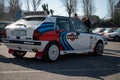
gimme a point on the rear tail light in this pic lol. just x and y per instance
(4, 33)
(36, 35)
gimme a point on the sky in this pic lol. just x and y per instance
(59, 9)
(57, 6)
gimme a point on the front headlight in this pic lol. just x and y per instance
(105, 40)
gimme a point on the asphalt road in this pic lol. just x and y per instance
(68, 67)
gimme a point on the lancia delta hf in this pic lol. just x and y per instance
(52, 36)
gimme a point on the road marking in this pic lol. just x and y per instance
(111, 51)
(62, 70)
(29, 71)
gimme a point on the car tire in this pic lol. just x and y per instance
(117, 38)
(51, 53)
(99, 48)
(19, 54)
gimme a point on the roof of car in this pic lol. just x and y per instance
(64, 17)
(41, 16)
(50, 16)
(60, 16)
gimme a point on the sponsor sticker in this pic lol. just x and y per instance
(72, 36)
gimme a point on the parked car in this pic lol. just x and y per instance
(109, 30)
(103, 31)
(50, 37)
(98, 30)
(2, 26)
(114, 35)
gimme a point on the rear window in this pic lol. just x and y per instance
(35, 18)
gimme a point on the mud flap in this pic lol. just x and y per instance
(39, 55)
(10, 51)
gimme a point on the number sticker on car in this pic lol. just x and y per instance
(19, 32)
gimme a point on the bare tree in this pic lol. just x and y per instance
(70, 6)
(75, 4)
(111, 7)
(14, 7)
(116, 14)
(1, 8)
(117, 9)
(51, 11)
(35, 4)
(45, 8)
(1, 4)
(88, 7)
(27, 4)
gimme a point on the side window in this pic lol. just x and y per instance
(63, 24)
(79, 26)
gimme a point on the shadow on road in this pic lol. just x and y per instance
(72, 65)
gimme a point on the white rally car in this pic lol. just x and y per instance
(50, 37)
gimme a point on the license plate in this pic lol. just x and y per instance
(19, 32)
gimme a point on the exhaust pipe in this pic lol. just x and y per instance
(35, 50)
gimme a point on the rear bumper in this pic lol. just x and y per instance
(25, 45)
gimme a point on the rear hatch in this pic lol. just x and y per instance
(23, 29)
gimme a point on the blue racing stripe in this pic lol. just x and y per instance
(64, 41)
(61, 40)
(46, 26)
(45, 29)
